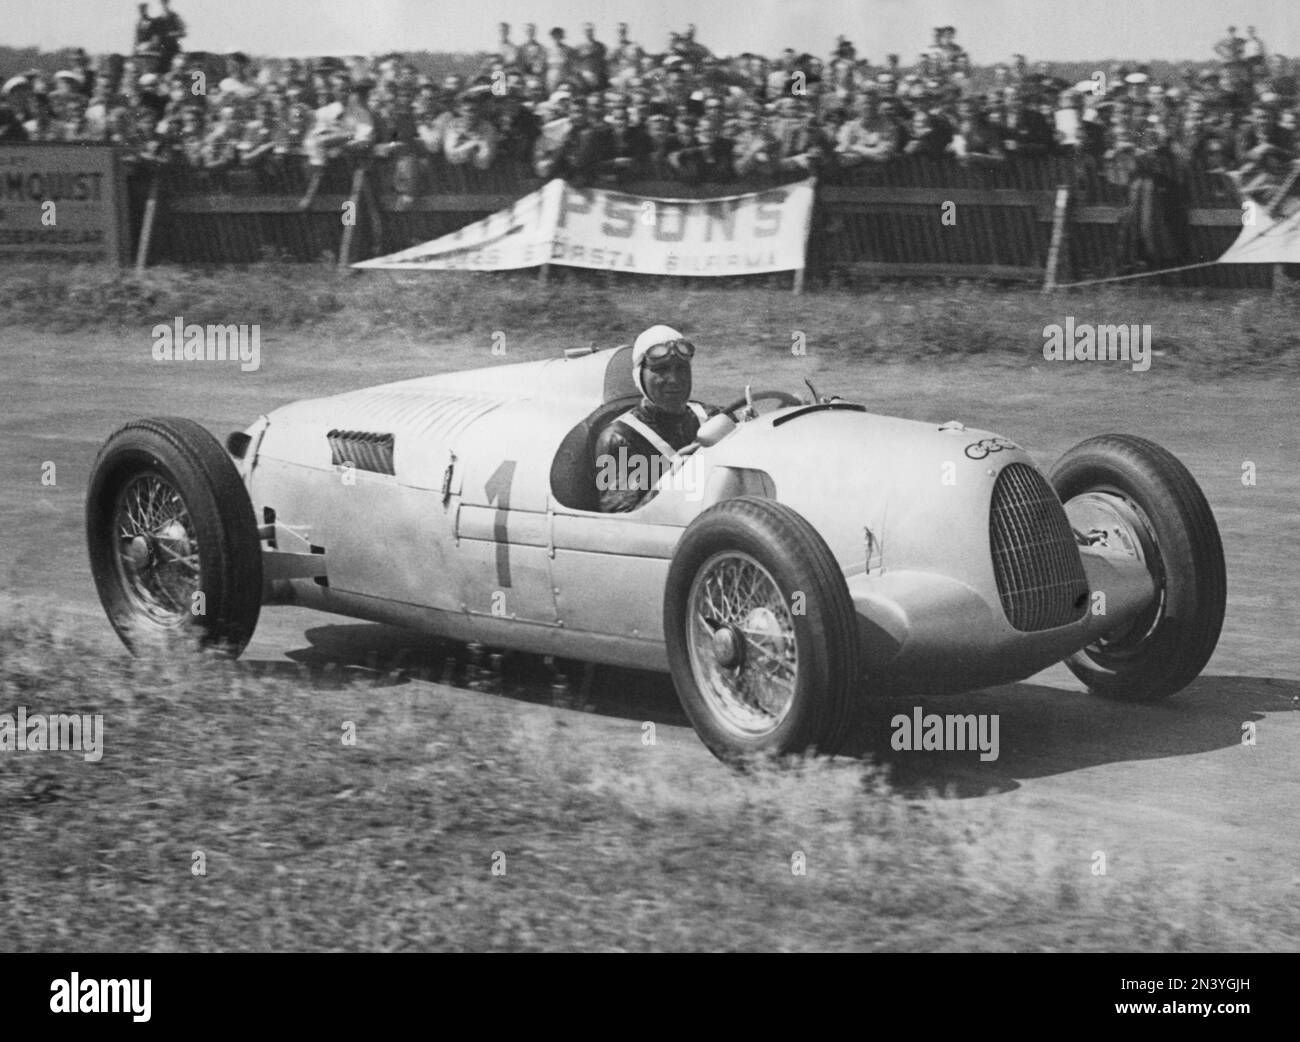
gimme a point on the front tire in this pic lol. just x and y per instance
(1141, 493)
(761, 633)
(172, 537)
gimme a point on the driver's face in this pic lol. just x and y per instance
(669, 384)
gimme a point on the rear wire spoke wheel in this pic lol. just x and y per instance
(761, 633)
(157, 549)
(173, 542)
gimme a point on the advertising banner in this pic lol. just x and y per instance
(63, 202)
(596, 228)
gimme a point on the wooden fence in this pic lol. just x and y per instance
(886, 221)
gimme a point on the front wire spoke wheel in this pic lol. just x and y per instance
(742, 644)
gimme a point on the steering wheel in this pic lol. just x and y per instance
(777, 396)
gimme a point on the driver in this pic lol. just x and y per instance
(645, 442)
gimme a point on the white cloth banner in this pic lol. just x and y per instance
(1268, 241)
(519, 236)
(595, 228)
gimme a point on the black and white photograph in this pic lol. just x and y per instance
(610, 477)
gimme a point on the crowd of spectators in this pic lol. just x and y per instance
(608, 114)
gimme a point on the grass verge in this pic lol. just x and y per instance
(1217, 331)
(309, 843)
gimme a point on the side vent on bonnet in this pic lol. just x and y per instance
(363, 449)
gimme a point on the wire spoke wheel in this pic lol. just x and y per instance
(171, 535)
(761, 633)
(157, 548)
(743, 649)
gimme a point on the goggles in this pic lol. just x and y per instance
(661, 353)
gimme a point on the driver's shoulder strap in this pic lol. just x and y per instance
(657, 441)
(701, 413)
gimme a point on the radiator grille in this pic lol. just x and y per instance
(364, 450)
(1040, 577)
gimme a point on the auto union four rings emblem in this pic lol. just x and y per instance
(982, 448)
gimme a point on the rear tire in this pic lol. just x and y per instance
(761, 633)
(1134, 480)
(172, 537)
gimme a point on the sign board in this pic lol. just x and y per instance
(62, 202)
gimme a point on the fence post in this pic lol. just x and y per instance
(374, 209)
(349, 230)
(146, 226)
(797, 287)
(1058, 237)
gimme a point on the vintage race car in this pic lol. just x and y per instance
(803, 559)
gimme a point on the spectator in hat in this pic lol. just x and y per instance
(591, 59)
(169, 29)
(146, 43)
(13, 107)
(67, 86)
(560, 60)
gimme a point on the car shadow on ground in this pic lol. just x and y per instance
(1044, 731)
(1041, 731)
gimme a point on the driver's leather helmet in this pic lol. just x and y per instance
(649, 338)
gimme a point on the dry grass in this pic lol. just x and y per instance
(311, 844)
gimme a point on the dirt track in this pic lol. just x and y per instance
(1169, 784)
